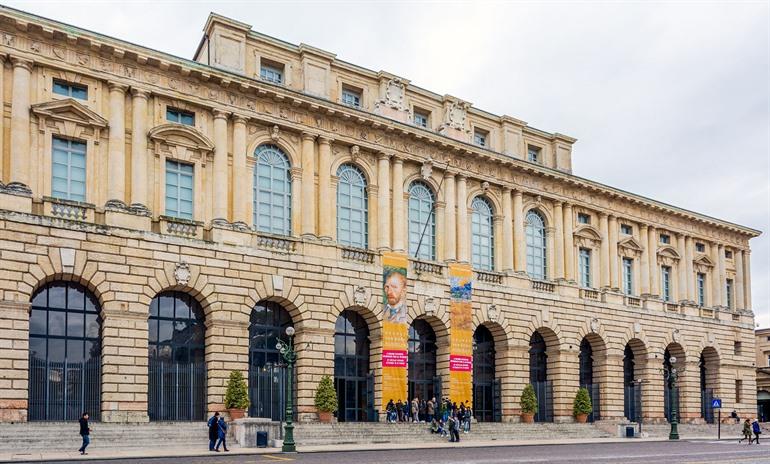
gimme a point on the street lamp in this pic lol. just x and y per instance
(287, 351)
(671, 377)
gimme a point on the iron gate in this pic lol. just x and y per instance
(62, 391)
(267, 391)
(177, 391)
(706, 410)
(497, 401)
(632, 402)
(544, 394)
(371, 412)
(593, 391)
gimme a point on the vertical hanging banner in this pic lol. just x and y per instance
(461, 341)
(395, 333)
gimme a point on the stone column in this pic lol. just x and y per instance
(308, 184)
(116, 164)
(440, 225)
(569, 244)
(681, 268)
(139, 172)
(739, 289)
(450, 239)
(325, 201)
(652, 236)
(747, 279)
(296, 201)
(227, 350)
(558, 216)
(690, 250)
(612, 393)
(716, 283)
(604, 251)
(614, 273)
(242, 194)
(497, 237)
(507, 245)
(519, 242)
(463, 241)
(315, 357)
(399, 224)
(20, 166)
(722, 275)
(221, 191)
(383, 201)
(644, 288)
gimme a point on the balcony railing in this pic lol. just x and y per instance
(673, 308)
(181, 227)
(273, 242)
(426, 267)
(489, 277)
(358, 254)
(589, 294)
(69, 210)
(707, 312)
(633, 301)
(542, 286)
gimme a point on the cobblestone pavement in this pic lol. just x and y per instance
(685, 451)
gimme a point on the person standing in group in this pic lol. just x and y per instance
(222, 433)
(415, 410)
(430, 409)
(746, 432)
(468, 416)
(85, 432)
(757, 430)
(423, 406)
(213, 430)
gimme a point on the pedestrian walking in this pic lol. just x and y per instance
(222, 432)
(757, 430)
(468, 416)
(85, 432)
(213, 430)
(454, 432)
(746, 432)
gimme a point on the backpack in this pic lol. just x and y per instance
(755, 427)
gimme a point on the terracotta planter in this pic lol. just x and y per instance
(236, 413)
(527, 418)
(325, 416)
(581, 418)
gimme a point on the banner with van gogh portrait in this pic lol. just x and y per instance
(461, 340)
(395, 332)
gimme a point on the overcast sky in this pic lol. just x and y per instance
(667, 100)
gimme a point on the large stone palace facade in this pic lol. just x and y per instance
(163, 220)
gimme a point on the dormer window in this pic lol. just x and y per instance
(420, 118)
(351, 97)
(480, 137)
(271, 72)
(68, 89)
(533, 154)
(180, 116)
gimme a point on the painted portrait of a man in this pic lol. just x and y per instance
(394, 290)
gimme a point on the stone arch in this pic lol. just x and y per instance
(711, 358)
(488, 195)
(278, 289)
(283, 141)
(181, 135)
(541, 208)
(364, 301)
(417, 177)
(359, 162)
(551, 338)
(421, 308)
(639, 338)
(501, 331)
(196, 286)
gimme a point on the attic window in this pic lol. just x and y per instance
(700, 248)
(665, 239)
(68, 89)
(351, 97)
(271, 71)
(626, 229)
(584, 218)
(480, 137)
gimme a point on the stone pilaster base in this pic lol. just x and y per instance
(13, 411)
(125, 417)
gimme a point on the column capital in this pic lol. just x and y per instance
(240, 119)
(603, 215)
(325, 140)
(22, 63)
(518, 193)
(567, 205)
(117, 87)
(140, 93)
(383, 156)
(448, 174)
(651, 228)
(440, 204)
(462, 177)
(397, 160)
(296, 173)
(372, 189)
(221, 114)
(507, 189)
(308, 136)
(557, 203)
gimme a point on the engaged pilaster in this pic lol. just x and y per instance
(450, 239)
(399, 226)
(569, 244)
(308, 184)
(520, 244)
(139, 172)
(462, 220)
(383, 201)
(241, 174)
(116, 165)
(558, 216)
(20, 165)
(325, 201)
(221, 190)
(507, 248)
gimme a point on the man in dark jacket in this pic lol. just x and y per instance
(213, 430)
(85, 432)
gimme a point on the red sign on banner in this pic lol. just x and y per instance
(459, 363)
(394, 358)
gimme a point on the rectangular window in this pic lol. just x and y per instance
(584, 218)
(737, 348)
(700, 248)
(585, 267)
(271, 72)
(480, 138)
(729, 293)
(351, 97)
(69, 89)
(738, 388)
(628, 276)
(665, 239)
(179, 189)
(728, 254)
(665, 272)
(701, 289)
(420, 119)
(768, 361)
(533, 154)
(68, 169)
(626, 229)
(180, 116)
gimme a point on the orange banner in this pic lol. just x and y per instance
(395, 332)
(461, 338)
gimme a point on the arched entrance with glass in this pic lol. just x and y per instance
(352, 379)
(709, 379)
(177, 364)
(590, 370)
(673, 357)
(486, 387)
(267, 371)
(423, 382)
(538, 377)
(633, 368)
(64, 353)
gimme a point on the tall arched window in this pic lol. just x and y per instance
(482, 235)
(536, 246)
(351, 368)
(352, 207)
(632, 398)
(538, 377)
(422, 218)
(64, 353)
(422, 360)
(267, 373)
(177, 367)
(272, 191)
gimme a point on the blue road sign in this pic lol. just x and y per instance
(716, 403)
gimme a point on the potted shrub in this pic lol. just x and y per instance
(582, 406)
(528, 404)
(236, 396)
(326, 399)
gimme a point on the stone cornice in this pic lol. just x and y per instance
(67, 47)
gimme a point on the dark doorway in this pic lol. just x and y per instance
(351, 368)
(483, 375)
(538, 377)
(267, 371)
(422, 360)
(586, 374)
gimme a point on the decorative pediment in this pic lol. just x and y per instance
(68, 110)
(630, 246)
(703, 260)
(181, 135)
(668, 256)
(587, 236)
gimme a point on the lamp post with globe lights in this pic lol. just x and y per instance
(670, 376)
(287, 351)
